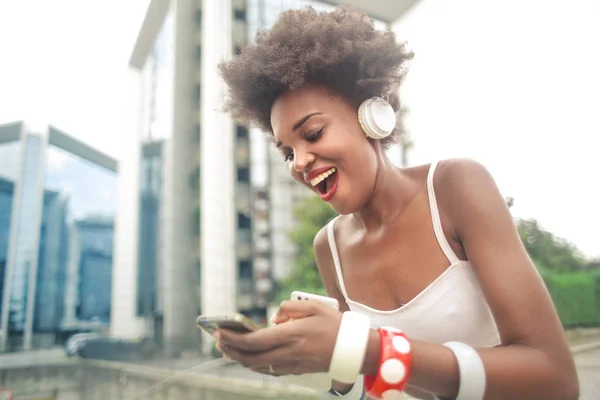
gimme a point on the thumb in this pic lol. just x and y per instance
(296, 309)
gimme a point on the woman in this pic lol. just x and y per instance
(431, 250)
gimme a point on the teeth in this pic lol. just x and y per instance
(320, 178)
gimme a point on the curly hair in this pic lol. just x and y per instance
(340, 50)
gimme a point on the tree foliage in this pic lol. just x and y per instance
(548, 251)
(311, 215)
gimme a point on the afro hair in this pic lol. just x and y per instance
(340, 50)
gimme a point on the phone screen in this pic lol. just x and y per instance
(235, 323)
(234, 326)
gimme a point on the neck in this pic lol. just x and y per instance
(393, 192)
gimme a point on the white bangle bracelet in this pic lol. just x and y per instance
(350, 347)
(471, 370)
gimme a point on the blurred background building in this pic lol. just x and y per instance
(57, 205)
(208, 230)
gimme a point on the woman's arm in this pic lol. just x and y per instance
(328, 275)
(534, 360)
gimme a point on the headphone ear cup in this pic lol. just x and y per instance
(376, 118)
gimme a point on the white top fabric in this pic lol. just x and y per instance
(451, 308)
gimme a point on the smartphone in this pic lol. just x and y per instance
(233, 322)
(330, 301)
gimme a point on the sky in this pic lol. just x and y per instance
(513, 84)
(64, 62)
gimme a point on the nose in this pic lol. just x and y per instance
(303, 161)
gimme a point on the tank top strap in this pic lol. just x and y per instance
(336, 257)
(435, 218)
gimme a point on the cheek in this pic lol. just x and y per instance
(361, 167)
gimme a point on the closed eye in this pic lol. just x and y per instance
(315, 136)
(289, 156)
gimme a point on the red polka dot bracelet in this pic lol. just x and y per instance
(394, 366)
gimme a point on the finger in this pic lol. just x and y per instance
(260, 362)
(295, 309)
(258, 341)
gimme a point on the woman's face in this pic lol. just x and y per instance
(319, 136)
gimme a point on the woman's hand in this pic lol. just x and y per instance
(302, 342)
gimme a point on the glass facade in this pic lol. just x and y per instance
(25, 251)
(76, 241)
(149, 228)
(52, 261)
(6, 201)
(61, 242)
(158, 74)
(10, 155)
(9, 164)
(158, 126)
(95, 268)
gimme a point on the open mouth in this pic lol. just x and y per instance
(326, 183)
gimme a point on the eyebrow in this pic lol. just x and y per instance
(298, 124)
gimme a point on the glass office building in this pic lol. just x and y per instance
(56, 275)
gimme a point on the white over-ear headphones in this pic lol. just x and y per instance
(377, 118)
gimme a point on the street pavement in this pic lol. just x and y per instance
(587, 362)
(588, 369)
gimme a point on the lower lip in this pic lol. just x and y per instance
(327, 196)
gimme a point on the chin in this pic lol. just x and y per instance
(343, 208)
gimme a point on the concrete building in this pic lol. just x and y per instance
(48, 181)
(213, 200)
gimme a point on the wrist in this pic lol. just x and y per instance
(350, 347)
(394, 364)
(371, 362)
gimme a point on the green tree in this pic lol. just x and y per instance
(548, 251)
(311, 215)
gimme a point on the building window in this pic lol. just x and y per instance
(196, 96)
(245, 269)
(196, 227)
(196, 134)
(241, 132)
(243, 175)
(239, 15)
(243, 221)
(198, 18)
(198, 55)
(194, 179)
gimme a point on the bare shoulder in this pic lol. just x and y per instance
(455, 173)
(451, 175)
(466, 192)
(463, 179)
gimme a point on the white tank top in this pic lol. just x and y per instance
(451, 308)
